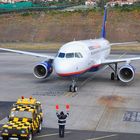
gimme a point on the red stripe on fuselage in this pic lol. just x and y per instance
(77, 72)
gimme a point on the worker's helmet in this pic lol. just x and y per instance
(61, 113)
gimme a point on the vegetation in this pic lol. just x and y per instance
(102, 3)
(32, 46)
(128, 8)
(64, 26)
(56, 46)
(62, 2)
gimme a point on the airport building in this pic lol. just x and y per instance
(111, 2)
(121, 2)
(91, 2)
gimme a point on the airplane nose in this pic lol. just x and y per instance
(63, 67)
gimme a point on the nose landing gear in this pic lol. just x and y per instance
(73, 87)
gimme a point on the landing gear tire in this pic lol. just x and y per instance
(73, 88)
(112, 76)
(70, 88)
(118, 78)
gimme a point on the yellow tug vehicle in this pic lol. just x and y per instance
(25, 119)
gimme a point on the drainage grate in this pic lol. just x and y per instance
(132, 116)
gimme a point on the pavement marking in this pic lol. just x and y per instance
(3, 121)
(69, 94)
(48, 135)
(66, 93)
(72, 94)
(103, 137)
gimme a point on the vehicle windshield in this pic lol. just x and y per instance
(21, 114)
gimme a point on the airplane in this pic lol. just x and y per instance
(78, 57)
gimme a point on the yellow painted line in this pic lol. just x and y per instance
(48, 135)
(103, 137)
(65, 94)
(73, 94)
(68, 94)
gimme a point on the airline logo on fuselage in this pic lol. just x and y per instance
(94, 47)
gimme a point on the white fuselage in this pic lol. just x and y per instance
(78, 57)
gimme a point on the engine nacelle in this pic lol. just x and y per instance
(126, 73)
(43, 70)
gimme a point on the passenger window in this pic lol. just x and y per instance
(61, 55)
(70, 55)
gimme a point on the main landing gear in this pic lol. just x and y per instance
(73, 87)
(114, 74)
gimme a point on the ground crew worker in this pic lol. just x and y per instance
(61, 122)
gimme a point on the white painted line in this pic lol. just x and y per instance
(3, 121)
(103, 137)
(48, 135)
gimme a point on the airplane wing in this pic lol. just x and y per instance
(119, 60)
(28, 53)
(123, 43)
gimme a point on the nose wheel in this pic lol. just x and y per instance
(73, 87)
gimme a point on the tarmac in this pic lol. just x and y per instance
(101, 109)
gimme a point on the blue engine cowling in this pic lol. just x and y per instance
(126, 73)
(43, 70)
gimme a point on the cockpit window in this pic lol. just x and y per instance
(69, 55)
(61, 55)
(78, 55)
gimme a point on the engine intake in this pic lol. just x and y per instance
(43, 70)
(126, 73)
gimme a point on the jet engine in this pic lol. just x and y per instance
(126, 73)
(43, 70)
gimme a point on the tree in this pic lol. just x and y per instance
(102, 3)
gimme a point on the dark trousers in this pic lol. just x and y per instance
(61, 130)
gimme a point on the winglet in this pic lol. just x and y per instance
(103, 32)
